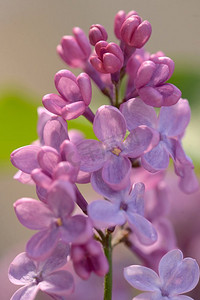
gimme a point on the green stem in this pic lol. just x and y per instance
(108, 277)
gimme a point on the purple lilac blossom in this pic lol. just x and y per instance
(176, 276)
(170, 125)
(53, 220)
(75, 95)
(120, 207)
(44, 275)
(112, 153)
(97, 33)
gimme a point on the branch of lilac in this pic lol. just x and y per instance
(125, 165)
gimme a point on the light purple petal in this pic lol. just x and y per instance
(178, 275)
(92, 155)
(181, 297)
(144, 230)
(104, 189)
(157, 159)
(59, 283)
(22, 270)
(65, 82)
(109, 124)
(105, 214)
(142, 278)
(116, 172)
(137, 113)
(56, 260)
(55, 132)
(139, 140)
(48, 158)
(23, 177)
(73, 110)
(149, 296)
(27, 292)
(61, 198)
(173, 120)
(25, 158)
(42, 243)
(54, 103)
(77, 229)
(33, 214)
(135, 200)
(85, 87)
(41, 178)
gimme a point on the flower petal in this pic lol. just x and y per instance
(109, 125)
(65, 82)
(174, 119)
(73, 110)
(33, 214)
(25, 158)
(149, 296)
(105, 214)
(116, 172)
(137, 113)
(22, 270)
(142, 278)
(26, 292)
(42, 243)
(156, 159)
(59, 283)
(92, 155)
(48, 158)
(54, 103)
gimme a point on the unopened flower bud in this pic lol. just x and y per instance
(97, 33)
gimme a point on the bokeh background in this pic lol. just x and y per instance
(30, 30)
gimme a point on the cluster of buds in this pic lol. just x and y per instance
(125, 164)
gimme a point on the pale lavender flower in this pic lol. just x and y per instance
(53, 220)
(89, 258)
(176, 276)
(170, 125)
(122, 206)
(75, 95)
(112, 153)
(108, 59)
(43, 275)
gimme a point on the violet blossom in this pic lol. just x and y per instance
(176, 276)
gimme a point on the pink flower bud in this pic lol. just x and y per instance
(134, 32)
(76, 50)
(97, 33)
(119, 20)
(109, 58)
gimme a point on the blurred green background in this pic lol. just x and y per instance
(31, 30)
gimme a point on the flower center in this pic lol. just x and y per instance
(116, 151)
(59, 222)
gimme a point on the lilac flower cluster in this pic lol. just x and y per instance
(126, 165)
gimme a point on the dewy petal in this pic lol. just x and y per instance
(109, 125)
(142, 278)
(116, 172)
(105, 214)
(137, 113)
(42, 243)
(22, 270)
(183, 277)
(142, 228)
(174, 119)
(25, 158)
(156, 159)
(92, 155)
(55, 132)
(59, 283)
(27, 292)
(33, 214)
(138, 141)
